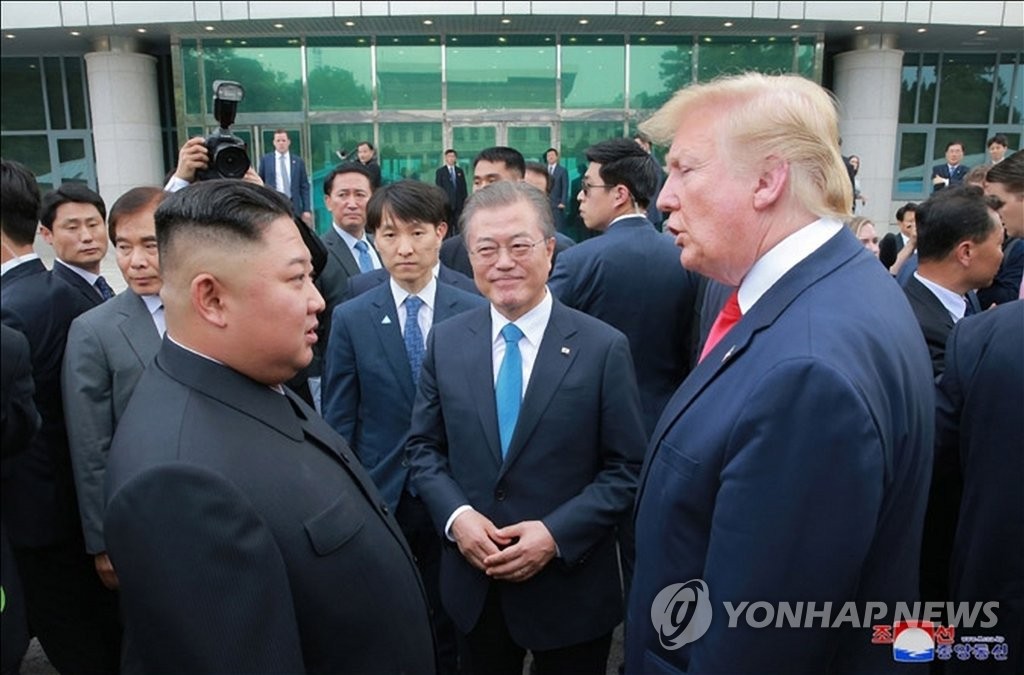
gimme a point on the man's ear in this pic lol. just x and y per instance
(442, 229)
(771, 182)
(207, 295)
(47, 234)
(964, 252)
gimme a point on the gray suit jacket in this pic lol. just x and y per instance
(108, 348)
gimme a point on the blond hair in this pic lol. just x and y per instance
(785, 116)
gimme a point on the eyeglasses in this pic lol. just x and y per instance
(585, 188)
(517, 250)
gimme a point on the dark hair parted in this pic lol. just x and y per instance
(1009, 172)
(624, 162)
(510, 157)
(949, 217)
(408, 201)
(540, 170)
(131, 202)
(19, 203)
(348, 167)
(221, 212)
(909, 207)
(69, 193)
(509, 193)
(998, 138)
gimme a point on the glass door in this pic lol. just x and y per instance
(468, 140)
(532, 141)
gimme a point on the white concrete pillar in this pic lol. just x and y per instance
(125, 110)
(867, 84)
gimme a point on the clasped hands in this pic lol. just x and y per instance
(513, 553)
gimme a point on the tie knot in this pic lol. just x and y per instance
(412, 306)
(106, 292)
(362, 247)
(511, 333)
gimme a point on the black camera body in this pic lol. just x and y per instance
(227, 154)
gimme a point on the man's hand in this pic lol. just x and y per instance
(191, 158)
(307, 218)
(477, 538)
(252, 177)
(939, 180)
(534, 549)
(105, 569)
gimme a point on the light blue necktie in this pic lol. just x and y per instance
(282, 170)
(508, 390)
(413, 336)
(365, 261)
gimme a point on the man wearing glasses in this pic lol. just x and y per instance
(525, 447)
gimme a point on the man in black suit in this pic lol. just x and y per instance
(452, 179)
(951, 173)
(525, 445)
(367, 158)
(292, 182)
(73, 615)
(979, 430)
(72, 219)
(559, 191)
(893, 243)
(224, 487)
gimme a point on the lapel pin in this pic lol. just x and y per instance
(387, 320)
(565, 351)
(728, 354)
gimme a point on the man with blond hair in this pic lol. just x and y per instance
(792, 464)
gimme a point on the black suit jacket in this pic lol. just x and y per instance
(456, 193)
(241, 498)
(934, 318)
(38, 494)
(956, 176)
(572, 463)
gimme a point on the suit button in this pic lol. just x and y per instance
(500, 494)
(384, 508)
(405, 463)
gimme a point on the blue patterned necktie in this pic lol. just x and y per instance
(365, 261)
(101, 285)
(413, 336)
(508, 390)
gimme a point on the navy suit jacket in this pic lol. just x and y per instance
(956, 176)
(361, 283)
(979, 428)
(299, 188)
(572, 463)
(90, 297)
(559, 193)
(367, 385)
(38, 489)
(630, 277)
(222, 489)
(456, 193)
(791, 465)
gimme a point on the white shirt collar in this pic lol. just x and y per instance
(533, 323)
(954, 303)
(784, 256)
(349, 240)
(14, 262)
(85, 274)
(426, 294)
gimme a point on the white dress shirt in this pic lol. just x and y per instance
(954, 303)
(156, 310)
(20, 260)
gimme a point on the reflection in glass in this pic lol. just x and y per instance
(73, 163)
(594, 72)
(805, 57)
(272, 76)
(729, 55)
(409, 75)
(468, 141)
(190, 77)
(339, 78)
(1008, 93)
(912, 171)
(501, 73)
(33, 152)
(533, 142)
(78, 104)
(966, 88)
(908, 88)
(927, 83)
(24, 111)
(55, 92)
(658, 67)
(410, 150)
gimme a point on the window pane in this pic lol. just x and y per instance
(190, 77)
(78, 102)
(326, 141)
(719, 55)
(271, 75)
(410, 150)
(928, 81)
(33, 152)
(339, 77)
(468, 141)
(501, 72)
(409, 73)
(55, 92)
(73, 165)
(973, 141)
(908, 88)
(24, 111)
(658, 67)
(533, 142)
(913, 168)
(805, 57)
(593, 72)
(966, 88)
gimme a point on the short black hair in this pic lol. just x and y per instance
(68, 193)
(909, 207)
(218, 210)
(451, 150)
(407, 200)
(624, 162)
(347, 167)
(998, 138)
(540, 170)
(366, 143)
(1009, 172)
(510, 157)
(131, 202)
(19, 202)
(554, 150)
(952, 143)
(949, 217)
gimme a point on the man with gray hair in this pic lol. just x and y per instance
(792, 464)
(525, 446)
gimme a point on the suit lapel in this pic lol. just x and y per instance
(384, 318)
(556, 354)
(479, 369)
(341, 252)
(138, 327)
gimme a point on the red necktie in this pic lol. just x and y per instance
(727, 318)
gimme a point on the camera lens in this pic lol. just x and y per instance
(231, 162)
